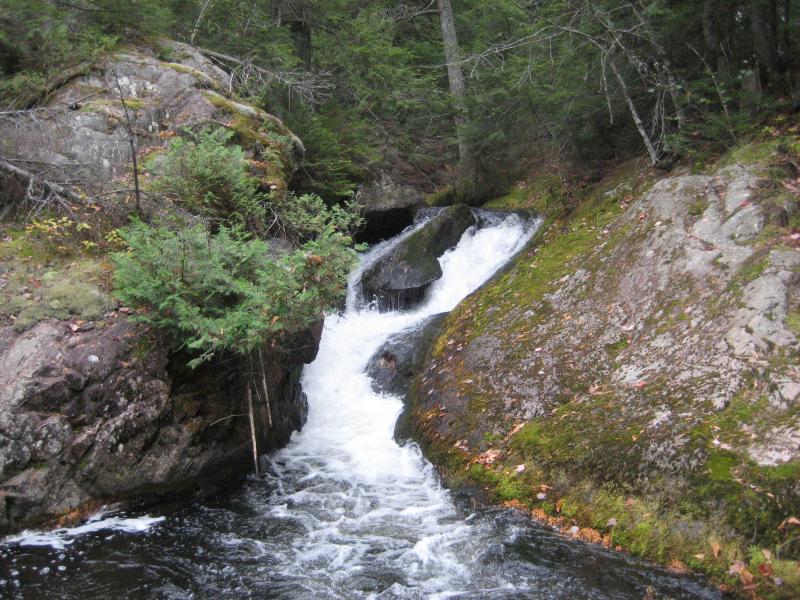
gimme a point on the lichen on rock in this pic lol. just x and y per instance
(640, 353)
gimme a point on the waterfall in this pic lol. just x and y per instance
(343, 512)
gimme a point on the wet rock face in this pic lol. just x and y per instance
(402, 356)
(108, 414)
(389, 207)
(399, 279)
(651, 343)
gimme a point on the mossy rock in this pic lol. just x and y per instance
(572, 386)
(399, 279)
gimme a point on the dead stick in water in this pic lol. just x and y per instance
(264, 385)
(252, 427)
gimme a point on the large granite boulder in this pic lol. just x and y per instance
(399, 279)
(638, 365)
(80, 131)
(102, 412)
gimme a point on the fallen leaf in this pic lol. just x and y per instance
(715, 548)
(766, 570)
(746, 576)
(789, 521)
(677, 566)
(736, 568)
(488, 457)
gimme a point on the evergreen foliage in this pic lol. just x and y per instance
(364, 83)
(210, 177)
(228, 291)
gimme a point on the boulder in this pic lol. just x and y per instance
(98, 409)
(388, 205)
(644, 353)
(107, 414)
(402, 356)
(82, 137)
(398, 279)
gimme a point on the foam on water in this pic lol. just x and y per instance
(393, 499)
(62, 537)
(344, 512)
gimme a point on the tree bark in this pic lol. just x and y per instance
(714, 41)
(297, 15)
(763, 21)
(467, 172)
(637, 120)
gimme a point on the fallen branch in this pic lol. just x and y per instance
(264, 387)
(34, 178)
(252, 427)
(311, 88)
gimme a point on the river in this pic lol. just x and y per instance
(343, 511)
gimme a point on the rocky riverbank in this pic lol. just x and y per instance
(634, 373)
(94, 408)
(101, 412)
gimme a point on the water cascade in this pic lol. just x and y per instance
(344, 511)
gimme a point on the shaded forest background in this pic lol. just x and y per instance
(571, 84)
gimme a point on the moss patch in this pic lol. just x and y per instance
(681, 490)
(40, 284)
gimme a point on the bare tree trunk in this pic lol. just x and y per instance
(467, 175)
(132, 143)
(651, 149)
(203, 10)
(301, 32)
(713, 40)
(667, 72)
(763, 17)
(297, 15)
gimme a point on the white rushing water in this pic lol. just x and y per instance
(361, 497)
(344, 512)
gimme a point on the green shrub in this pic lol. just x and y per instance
(228, 291)
(307, 216)
(211, 178)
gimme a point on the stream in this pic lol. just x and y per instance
(343, 511)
